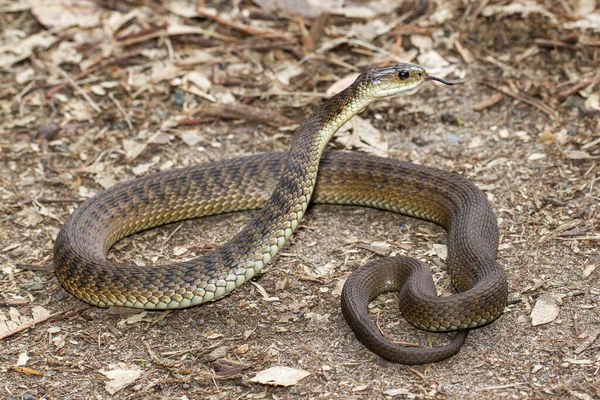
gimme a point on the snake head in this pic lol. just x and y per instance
(388, 81)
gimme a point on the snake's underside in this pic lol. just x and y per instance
(281, 185)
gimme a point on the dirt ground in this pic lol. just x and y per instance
(97, 93)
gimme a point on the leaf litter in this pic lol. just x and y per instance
(93, 94)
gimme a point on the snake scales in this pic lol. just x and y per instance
(281, 185)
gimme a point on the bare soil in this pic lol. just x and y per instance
(93, 107)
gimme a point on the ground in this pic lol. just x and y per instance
(93, 94)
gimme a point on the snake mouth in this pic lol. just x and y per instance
(445, 82)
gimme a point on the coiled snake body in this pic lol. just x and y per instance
(281, 186)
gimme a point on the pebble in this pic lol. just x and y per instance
(35, 287)
(25, 396)
(60, 295)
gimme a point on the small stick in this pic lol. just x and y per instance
(574, 89)
(78, 88)
(14, 302)
(32, 324)
(93, 68)
(553, 43)
(525, 99)
(554, 202)
(396, 50)
(196, 121)
(489, 102)
(121, 110)
(239, 26)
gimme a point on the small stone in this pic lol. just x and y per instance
(35, 287)
(47, 132)
(60, 295)
(179, 98)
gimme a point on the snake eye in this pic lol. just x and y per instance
(403, 75)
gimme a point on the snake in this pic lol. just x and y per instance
(279, 186)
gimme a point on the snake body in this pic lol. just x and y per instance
(280, 186)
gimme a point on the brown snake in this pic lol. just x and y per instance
(281, 186)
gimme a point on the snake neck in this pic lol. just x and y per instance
(280, 215)
(318, 129)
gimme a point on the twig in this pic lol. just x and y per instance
(32, 324)
(158, 360)
(554, 202)
(554, 43)
(525, 99)
(14, 302)
(239, 26)
(580, 238)
(396, 50)
(178, 31)
(49, 267)
(121, 110)
(245, 112)
(78, 88)
(488, 102)
(196, 121)
(93, 68)
(496, 387)
(478, 11)
(172, 234)
(575, 88)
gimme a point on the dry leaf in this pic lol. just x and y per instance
(364, 137)
(536, 156)
(441, 250)
(191, 138)
(66, 13)
(120, 378)
(216, 354)
(341, 84)
(546, 310)
(286, 71)
(13, 53)
(584, 7)
(523, 7)
(593, 101)
(381, 248)
(182, 8)
(23, 358)
(589, 269)
(577, 155)
(280, 376)
(196, 83)
(305, 8)
(396, 392)
(29, 217)
(133, 148)
(589, 21)
(134, 319)
(141, 169)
